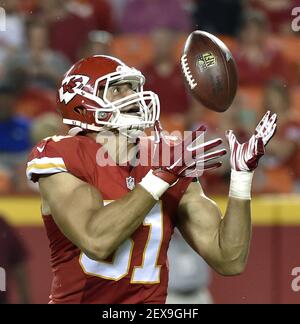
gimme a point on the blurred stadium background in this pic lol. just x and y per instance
(42, 40)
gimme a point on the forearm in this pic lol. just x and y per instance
(115, 222)
(235, 227)
(223, 242)
(235, 235)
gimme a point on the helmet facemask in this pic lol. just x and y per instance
(112, 114)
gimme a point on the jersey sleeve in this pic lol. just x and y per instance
(54, 155)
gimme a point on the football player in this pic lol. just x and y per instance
(109, 225)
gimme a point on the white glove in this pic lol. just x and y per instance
(245, 157)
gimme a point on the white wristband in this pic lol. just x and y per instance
(240, 184)
(154, 185)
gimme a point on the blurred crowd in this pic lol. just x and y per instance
(44, 37)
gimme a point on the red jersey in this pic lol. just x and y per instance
(138, 270)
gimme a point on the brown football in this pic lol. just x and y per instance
(209, 70)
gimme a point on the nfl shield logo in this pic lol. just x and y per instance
(206, 60)
(130, 183)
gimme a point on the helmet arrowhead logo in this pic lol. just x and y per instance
(71, 86)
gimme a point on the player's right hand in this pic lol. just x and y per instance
(189, 157)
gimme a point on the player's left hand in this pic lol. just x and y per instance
(245, 157)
